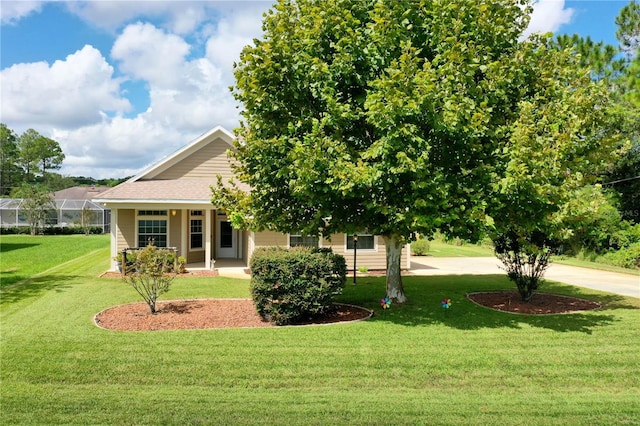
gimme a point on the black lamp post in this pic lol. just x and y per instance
(355, 253)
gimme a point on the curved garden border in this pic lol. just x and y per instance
(570, 304)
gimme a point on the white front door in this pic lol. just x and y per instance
(226, 240)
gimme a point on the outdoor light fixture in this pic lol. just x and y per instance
(173, 212)
(355, 252)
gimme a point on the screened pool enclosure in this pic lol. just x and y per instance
(67, 213)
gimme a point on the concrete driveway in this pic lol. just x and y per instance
(626, 285)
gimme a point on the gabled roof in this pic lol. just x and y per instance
(192, 191)
(202, 140)
(142, 188)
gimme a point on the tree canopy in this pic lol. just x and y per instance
(38, 154)
(398, 117)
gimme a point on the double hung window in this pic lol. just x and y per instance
(365, 242)
(152, 228)
(297, 240)
(195, 230)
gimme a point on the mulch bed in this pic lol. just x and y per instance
(207, 314)
(540, 304)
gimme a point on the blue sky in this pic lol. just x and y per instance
(120, 84)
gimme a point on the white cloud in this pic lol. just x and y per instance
(12, 11)
(231, 35)
(69, 93)
(184, 62)
(548, 16)
(111, 15)
(115, 147)
(189, 94)
(180, 17)
(148, 53)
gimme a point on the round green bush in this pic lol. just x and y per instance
(289, 285)
(420, 247)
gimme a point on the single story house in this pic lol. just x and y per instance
(169, 203)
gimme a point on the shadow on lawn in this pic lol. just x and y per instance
(33, 287)
(425, 295)
(5, 247)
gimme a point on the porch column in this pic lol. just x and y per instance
(184, 233)
(114, 237)
(208, 252)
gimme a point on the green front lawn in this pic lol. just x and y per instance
(22, 256)
(411, 364)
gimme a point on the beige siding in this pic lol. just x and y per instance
(375, 259)
(195, 256)
(207, 162)
(371, 259)
(245, 245)
(270, 239)
(126, 229)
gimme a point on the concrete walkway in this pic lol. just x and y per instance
(624, 284)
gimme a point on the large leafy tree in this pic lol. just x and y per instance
(388, 116)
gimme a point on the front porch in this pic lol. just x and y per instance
(236, 268)
(196, 233)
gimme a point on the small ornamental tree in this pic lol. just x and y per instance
(525, 259)
(152, 273)
(87, 218)
(562, 139)
(38, 205)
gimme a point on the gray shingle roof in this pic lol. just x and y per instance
(161, 190)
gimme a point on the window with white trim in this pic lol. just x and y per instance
(365, 242)
(151, 228)
(298, 240)
(196, 240)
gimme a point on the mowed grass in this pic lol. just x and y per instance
(23, 256)
(410, 364)
(439, 248)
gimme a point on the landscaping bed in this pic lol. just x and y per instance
(236, 313)
(206, 313)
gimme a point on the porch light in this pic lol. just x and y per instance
(355, 253)
(173, 212)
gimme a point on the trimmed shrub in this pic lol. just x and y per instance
(288, 286)
(420, 247)
(52, 230)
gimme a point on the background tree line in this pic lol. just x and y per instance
(619, 68)
(29, 161)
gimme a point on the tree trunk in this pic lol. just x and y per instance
(395, 291)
